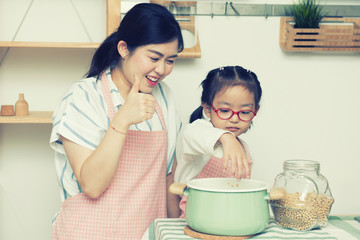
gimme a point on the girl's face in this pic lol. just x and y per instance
(150, 63)
(237, 98)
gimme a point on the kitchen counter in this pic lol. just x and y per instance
(342, 228)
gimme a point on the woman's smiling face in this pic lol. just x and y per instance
(237, 98)
(150, 63)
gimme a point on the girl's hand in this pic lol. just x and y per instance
(137, 108)
(234, 152)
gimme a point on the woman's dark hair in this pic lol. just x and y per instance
(221, 78)
(145, 23)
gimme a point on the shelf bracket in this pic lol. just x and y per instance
(17, 31)
(81, 21)
(3, 55)
(22, 20)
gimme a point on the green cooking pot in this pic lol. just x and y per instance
(225, 206)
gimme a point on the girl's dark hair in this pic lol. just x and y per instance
(221, 78)
(145, 23)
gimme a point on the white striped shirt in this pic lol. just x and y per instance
(198, 142)
(82, 117)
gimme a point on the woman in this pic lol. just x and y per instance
(114, 133)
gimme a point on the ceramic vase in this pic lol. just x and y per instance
(21, 106)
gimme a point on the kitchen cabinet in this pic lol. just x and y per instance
(113, 15)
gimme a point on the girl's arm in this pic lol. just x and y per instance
(201, 138)
(173, 210)
(234, 151)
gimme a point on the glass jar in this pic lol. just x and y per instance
(308, 198)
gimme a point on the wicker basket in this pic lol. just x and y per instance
(334, 34)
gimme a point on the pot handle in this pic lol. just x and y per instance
(177, 188)
(277, 193)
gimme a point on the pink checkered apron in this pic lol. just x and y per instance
(213, 169)
(136, 196)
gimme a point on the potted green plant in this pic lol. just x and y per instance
(307, 29)
(307, 14)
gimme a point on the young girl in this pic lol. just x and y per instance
(210, 145)
(114, 132)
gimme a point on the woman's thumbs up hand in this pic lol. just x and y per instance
(138, 106)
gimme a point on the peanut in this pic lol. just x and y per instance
(302, 213)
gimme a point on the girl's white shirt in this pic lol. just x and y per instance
(198, 142)
(82, 117)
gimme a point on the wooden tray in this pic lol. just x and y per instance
(334, 34)
(192, 233)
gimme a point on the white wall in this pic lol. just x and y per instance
(309, 110)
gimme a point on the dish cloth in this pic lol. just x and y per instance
(342, 228)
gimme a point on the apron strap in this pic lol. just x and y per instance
(107, 96)
(160, 114)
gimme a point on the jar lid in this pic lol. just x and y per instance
(298, 164)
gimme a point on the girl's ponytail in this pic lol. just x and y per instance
(223, 77)
(106, 55)
(197, 114)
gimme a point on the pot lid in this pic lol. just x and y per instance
(227, 185)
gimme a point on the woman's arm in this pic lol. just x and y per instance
(173, 210)
(95, 169)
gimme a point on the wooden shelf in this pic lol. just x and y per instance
(113, 17)
(11, 44)
(193, 52)
(34, 117)
(334, 34)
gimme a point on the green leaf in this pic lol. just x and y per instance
(307, 14)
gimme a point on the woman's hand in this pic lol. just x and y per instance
(234, 152)
(137, 108)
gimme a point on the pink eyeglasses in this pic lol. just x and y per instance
(227, 113)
